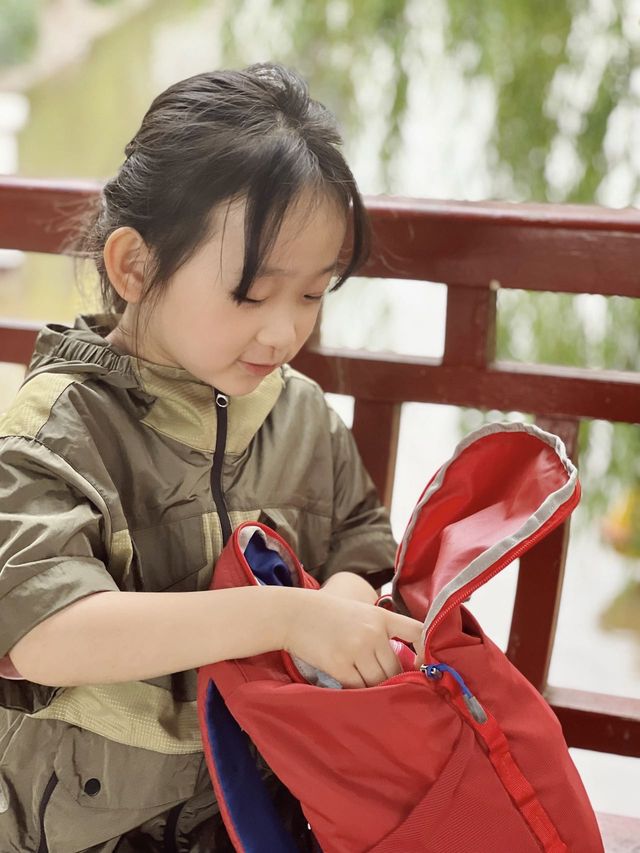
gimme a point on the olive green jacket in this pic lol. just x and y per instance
(106, 484)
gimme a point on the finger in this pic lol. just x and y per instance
(352, 680)
(388, 660)
(404, 627)
(370, 671)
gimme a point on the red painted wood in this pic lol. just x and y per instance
(42, 216)
(597, 721)
(535, 607)
(470, 336)
(17, 340)
(535, 247)
(555, 391)
(375, 429)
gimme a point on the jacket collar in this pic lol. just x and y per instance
(182, 406)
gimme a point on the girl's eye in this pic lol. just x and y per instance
(309, 298)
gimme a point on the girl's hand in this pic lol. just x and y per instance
(348, 640)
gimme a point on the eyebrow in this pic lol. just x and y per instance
(280, 271)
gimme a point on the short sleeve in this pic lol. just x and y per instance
(51, 545)
(361, 538)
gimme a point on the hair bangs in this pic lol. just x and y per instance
(276, 188)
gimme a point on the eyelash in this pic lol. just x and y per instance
(247, 301)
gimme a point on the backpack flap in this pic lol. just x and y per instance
(504, 489)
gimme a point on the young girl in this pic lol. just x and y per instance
(141, 437)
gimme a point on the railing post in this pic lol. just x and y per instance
(375, 428)
(470, 337)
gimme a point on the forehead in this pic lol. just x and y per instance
(314, 224)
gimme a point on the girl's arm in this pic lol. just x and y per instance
(352, 586)
(130, 636)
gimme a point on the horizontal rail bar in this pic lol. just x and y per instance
(532, 247)
(597, 721)
(540, 389)
(16, 340)
(573, 249)
(42, 216)
(393, 378)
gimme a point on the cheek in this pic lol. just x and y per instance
(220, 332)
(309, 322)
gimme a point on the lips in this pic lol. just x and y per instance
(258, 369)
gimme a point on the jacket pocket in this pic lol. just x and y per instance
(169, 556)
(102, 774)
(69, 789)
(104, 789)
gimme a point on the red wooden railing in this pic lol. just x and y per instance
(474, 248)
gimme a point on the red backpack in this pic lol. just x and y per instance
(460, 756)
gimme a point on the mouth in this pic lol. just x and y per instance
(258, 369)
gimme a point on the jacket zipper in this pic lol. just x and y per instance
(222, 403)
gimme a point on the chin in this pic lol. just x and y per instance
(235, 388)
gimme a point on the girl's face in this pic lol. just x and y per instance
(196, 324)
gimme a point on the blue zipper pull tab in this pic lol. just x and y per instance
(434, 672)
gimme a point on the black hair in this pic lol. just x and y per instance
(216, 137)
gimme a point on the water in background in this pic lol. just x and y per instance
(517, 99)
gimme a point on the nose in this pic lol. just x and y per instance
(278, 332)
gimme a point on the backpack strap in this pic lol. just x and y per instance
(516, 784)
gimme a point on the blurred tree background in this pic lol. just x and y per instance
(18, 30)
(558, 83)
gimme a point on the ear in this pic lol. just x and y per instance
(125, 258)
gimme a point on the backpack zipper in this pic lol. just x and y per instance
(222, 403)
(434, 671)
(560, 516)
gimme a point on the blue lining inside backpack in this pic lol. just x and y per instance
(252, 812)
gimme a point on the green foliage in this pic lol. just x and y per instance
(522, 48)
(332, 43)
(18, 30)
(521, 44)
